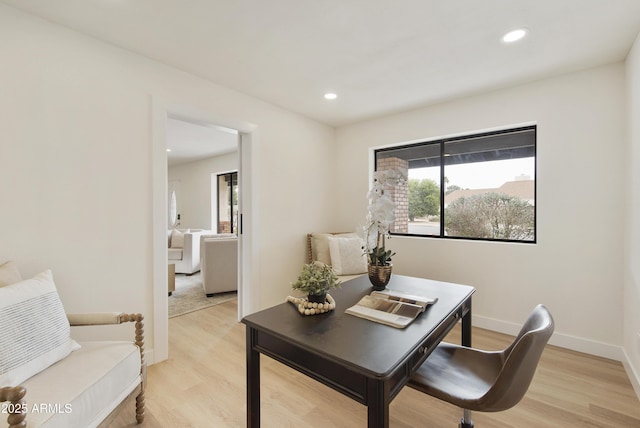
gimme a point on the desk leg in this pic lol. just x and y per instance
(466, 328)
(377, 404)
(253, 383)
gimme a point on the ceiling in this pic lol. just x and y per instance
(190, 142)
(378, 56)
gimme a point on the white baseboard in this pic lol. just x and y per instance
(567, 341)
(574, 343)
(633, 374)
(149, 357)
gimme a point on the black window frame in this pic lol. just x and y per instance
(442, 163)
(232, 179)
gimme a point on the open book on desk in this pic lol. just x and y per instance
(391, 307)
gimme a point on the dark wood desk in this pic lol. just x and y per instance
(366, 361)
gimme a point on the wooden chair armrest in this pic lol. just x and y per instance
(96, 318)
(17, 408)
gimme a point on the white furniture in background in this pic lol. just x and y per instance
(219, 263)
(184, 249)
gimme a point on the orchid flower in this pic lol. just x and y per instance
(380, 215)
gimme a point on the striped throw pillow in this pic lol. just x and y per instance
(35, 332)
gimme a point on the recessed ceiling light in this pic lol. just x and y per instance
(330, 96)
(168, 150)
(515, 35)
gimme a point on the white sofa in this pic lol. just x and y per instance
(219, 263)
(184, 249)
(49, 380)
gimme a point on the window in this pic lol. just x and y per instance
(228, 203)
(478, 186)
(173, 209)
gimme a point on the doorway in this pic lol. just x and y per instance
(201, 208)
(245, 135)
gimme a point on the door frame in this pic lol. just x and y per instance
(247, 295)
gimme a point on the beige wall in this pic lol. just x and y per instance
(576, 266)
(76, 167)
(632, 227)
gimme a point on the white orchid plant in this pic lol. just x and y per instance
(380, 216)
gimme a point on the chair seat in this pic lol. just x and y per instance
(458, 375)
(486, 381)
(87, 385)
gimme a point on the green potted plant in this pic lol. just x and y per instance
(315, 280)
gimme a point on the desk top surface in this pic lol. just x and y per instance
(363, 345)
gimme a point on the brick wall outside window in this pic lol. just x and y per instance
(399, 193)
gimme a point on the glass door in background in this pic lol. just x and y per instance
(228, 202)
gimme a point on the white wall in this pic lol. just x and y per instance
(632, 228)
(576, 266)
(194, 204)
(76, 177)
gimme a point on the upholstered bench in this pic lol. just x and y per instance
(49, 380)
(341, 251)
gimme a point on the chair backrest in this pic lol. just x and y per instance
(520, 362)
(219, 265)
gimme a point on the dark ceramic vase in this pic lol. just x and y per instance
(379, 276)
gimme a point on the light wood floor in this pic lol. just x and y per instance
(202, 384)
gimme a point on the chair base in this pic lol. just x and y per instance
(465, 424)
(466, 421)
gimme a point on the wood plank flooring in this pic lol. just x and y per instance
(202, 385)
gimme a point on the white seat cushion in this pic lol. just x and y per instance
(175, 253)
(83, 388)
(345, 278)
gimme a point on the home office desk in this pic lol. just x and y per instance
(364, 360)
